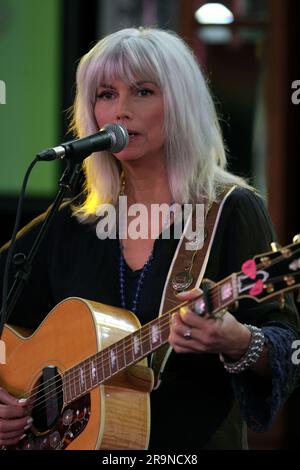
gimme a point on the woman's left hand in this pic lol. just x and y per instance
(191, 333)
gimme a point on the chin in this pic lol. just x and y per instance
(126, 157)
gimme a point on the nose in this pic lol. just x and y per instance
(124, 110)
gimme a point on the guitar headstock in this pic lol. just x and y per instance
(271, 274)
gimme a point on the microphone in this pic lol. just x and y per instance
(113, 137)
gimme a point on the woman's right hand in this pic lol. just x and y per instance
(14, 419)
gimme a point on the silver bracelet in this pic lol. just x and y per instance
(252, 354)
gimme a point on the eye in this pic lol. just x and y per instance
(144, 92)
(105, 95)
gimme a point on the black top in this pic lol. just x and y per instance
(195, 396)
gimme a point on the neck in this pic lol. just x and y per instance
(147, 186)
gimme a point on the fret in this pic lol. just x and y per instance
(72, 382)
(100, 367)
(226, 291)
(156, 337)
(105, 364)
(113, 360)
(88, 379)
(164, 326)
(128, 350)
(76, 380)
(94, 371)
(145, 340)
(120, 350)
(136, 345)
(82, 382)
(67, 388)
(215, 302)
(66, 393)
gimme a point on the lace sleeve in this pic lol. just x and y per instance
(260, 398)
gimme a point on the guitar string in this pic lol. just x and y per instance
(58, 391)
(76, 374)
(103, 360)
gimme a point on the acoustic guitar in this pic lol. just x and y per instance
(84, 369)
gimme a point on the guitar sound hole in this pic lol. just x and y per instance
(47, 401)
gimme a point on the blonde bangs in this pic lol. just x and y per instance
(129, 62)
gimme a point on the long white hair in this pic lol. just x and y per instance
(195, 154)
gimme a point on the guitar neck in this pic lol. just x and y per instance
(96, 369)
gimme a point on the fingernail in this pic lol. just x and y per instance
(22, 400)
(29, 422)
(22, 437)
(179, 294)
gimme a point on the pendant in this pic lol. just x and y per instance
(182, 281)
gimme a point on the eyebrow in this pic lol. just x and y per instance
(111, 87)
(106, 85)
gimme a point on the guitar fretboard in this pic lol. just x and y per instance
(98, 368)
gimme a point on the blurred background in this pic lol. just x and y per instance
(249, 51)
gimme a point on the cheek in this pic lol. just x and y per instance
(156, 122)
(160, 121)
(102, 116)
(97, 115)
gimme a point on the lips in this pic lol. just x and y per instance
(132, 133)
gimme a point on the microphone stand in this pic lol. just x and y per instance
(66, 183)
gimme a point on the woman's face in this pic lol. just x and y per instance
(140, 108)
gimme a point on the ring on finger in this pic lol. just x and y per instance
(188, 334)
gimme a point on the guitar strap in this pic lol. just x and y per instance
(186, 271)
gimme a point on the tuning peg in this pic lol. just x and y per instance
(296, 238)
(265, 260)
(290, 280)
(275, 247)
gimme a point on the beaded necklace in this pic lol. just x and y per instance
(140, 280)
(144, 271)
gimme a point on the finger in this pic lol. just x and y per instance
(180, 334)
(12, 425)
(177, 324)
(12, 435)
(175, 319)
(181, 344)
(12, 441)
(179, 329)
(183, 350)
(189, 294)
(8, 399)
(12, 412)
(190, 318)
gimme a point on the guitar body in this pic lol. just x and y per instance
(113, 415)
